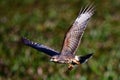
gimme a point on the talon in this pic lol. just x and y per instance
(70, 67)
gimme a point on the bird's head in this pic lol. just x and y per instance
(54, 58)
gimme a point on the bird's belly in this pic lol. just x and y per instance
(65, 61)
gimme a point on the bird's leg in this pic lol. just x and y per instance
(76, 62)
(70, 67)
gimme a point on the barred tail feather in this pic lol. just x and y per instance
(83, 59)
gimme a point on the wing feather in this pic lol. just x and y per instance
(40, 47)
(74, 35)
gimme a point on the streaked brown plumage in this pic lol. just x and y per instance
(73, 37)
(71, 41)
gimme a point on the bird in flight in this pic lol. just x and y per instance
(71, 42)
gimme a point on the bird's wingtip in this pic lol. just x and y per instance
(25, 40)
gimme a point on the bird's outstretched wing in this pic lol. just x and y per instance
(73, 37)
(40, 47)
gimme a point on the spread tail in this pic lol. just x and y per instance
(83, 59)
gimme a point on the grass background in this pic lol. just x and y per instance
(46, 22)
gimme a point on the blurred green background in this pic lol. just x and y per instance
(46, 22)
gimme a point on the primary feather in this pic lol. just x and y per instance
(74, 35)
(40, 47)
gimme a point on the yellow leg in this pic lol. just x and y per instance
(75, 61)
(70, 67)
